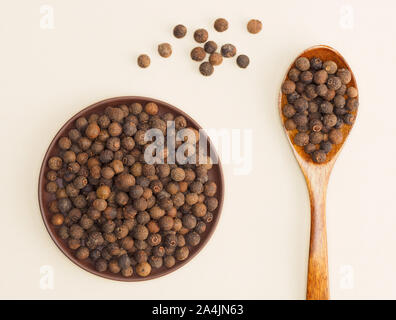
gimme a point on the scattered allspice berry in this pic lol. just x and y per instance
(201, 35)
(210, 47)
(165, 50)
(206, 68)
(254, 26)
(228, 50)
(198, 54)
(221, 25)
(215, 59)
(179, 31)
(243, 61)
(143, 61)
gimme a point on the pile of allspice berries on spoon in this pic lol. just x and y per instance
(320, 102)
(207, 48)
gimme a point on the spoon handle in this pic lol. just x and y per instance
(318, 276)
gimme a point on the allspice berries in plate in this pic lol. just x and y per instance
(116, 212)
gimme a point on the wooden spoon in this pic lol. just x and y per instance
(317, 178)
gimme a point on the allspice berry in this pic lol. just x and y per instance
(99, 204)
(182, 253)
(199, 210)
(330, 67)
(57, 219)
(309, 148)
(92, 131)
(320, 77)
(169, 261)
(288, 110)
(301, 139)
(210, 188)
(178, 174)
(290, 124)
(166, 223)
(345, 75)
(334, 83)
(335, 136)
(136, 108)
(64, 143)
(351, 92)
(55, 163)
(294, 74)
(288, 87)
(127, 272)
(215, 59)
(302, 64)
(349, 118)
(165, 50)
(315, 137)
(254, 26)
(330, 120)
(221, 24)
(193, 238)
(326, 146)
(352, 104)
(140, 232)
(189, 221)
(243, 61)
(121, 232)
(101, 265)
(198, 54)
(51, 187)
(114, 266)
(143, 61)
(228, 50)
(82, 253)
(316, 63)
(319, 156)
(206, 69)
(179, 31)
(103, 192)
(143, 269)
(151, 108)
(201, 35)
(210, 47)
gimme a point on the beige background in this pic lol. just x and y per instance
(260, 248)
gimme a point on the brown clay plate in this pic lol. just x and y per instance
(215, 174)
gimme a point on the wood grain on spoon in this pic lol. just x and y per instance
(317, 178)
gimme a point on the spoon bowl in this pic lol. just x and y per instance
(317, 178)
